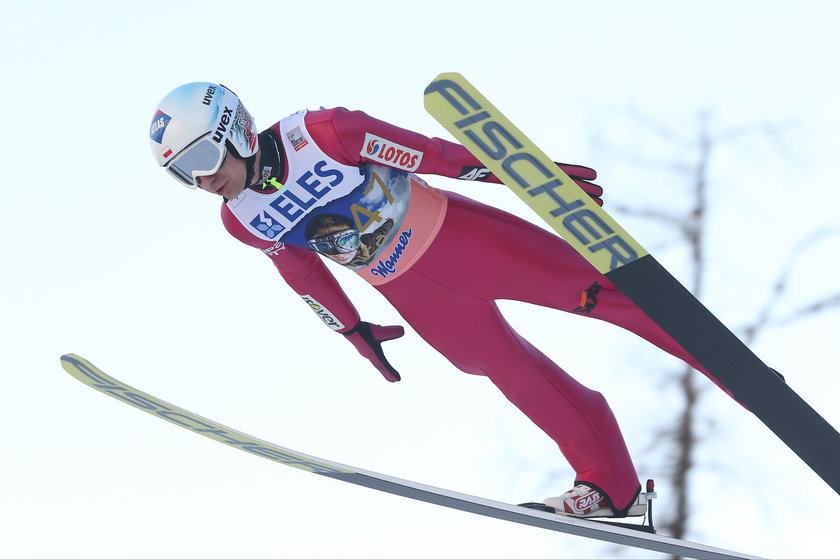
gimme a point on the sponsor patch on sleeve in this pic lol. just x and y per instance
(390, 153)
(474, 173)
(328, 318)
(275, 249)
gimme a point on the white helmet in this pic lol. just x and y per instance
(195, 125)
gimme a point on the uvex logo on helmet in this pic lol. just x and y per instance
(390, 153)
(208, 97)
(224, 123)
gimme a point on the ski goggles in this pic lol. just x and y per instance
(345, 241)
(202, 157)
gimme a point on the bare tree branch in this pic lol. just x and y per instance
(781, 287)
(683, 433)
(650, 213)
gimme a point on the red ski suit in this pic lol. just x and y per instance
(466, 255)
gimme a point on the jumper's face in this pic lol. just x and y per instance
(229, 180)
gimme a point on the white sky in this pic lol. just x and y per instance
(108, 258)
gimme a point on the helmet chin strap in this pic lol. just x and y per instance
(250, 164)
(270, 161)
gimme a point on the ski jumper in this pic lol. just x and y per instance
(442, 260)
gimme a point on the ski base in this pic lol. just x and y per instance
(94, 377)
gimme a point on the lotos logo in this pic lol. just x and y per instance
(389, 153)
(373, 147)
(159, 122)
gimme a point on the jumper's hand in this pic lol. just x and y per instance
(368, 339)
(581, 176)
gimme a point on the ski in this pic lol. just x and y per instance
(94, 377)
(544, 187)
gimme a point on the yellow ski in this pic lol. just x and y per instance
(533, 176)
(97, 379)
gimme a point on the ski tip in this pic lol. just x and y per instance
(70, 362)
(67, 359)
(442, 81)
(448, 75)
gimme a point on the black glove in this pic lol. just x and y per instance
(368, 338)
